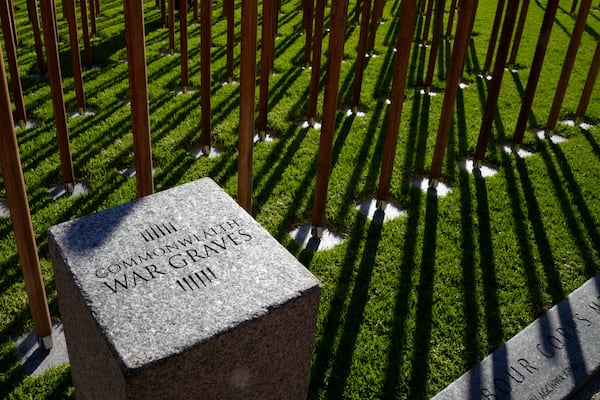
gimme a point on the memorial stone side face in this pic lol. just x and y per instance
(556, 357)
(183, 295)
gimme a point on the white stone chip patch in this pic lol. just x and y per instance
(302, 235)
(442, 190)
(368, 208)
(469, 166)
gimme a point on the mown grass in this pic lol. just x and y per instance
(407, 306)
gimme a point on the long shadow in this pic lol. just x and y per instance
(401, 311)
(592, 141)
(355, 312)
(422, 333)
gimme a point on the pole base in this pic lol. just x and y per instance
(381, 205)
(47, 342)
(317, 232)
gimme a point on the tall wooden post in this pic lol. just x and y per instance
(459, 51)
(563, 82)
(315, 73)
(360, 55)
(58, 103)
(183, 44)
(266, 53)
(435, 42)
(451, 19)
(512, 60)
(75, 54)
(229, 15)
(375, 19)
(309, 11)
(494, 90)
(13, 26)
(94, 30)
(339, 8)
(163, 13)
(171, 25)
(11, 50)
(12, 174)
(32, 12)
(535, 71)
(138, 90)
(205, 68)
(589, 86)
(493, 37)
(195, 13)
(408, 14)
(428, 14)
(87, 47)
(247, 102)
(573, 7)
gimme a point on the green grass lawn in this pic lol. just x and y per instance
(407, 306)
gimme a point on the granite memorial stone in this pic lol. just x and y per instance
(556, 357)
(182, 295)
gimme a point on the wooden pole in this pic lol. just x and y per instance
(11, 50)
(13, 26)
(163, 13)
(32, 12)
(493, 37)
(58, 103)
(315, 73)
(408, 13)
(512, 60)
(93, 18)
(535, 71)
(435, 42)
(360, 55)
(357, 11)
(195, 13)
(459, 51)
(183, 44)
(589, 86)
(205, 70)
(375, 19)
(16, 195)
(491, 103)
(428, 14)
(309, 10)
(573, 7)
(87, 47)
(171, 25)
(75, 55)
(563, 82)
(247, 102)
(339, 8)
(97, 2)
(229, 14)
(265, 65)
(451, 19)
(138, 89)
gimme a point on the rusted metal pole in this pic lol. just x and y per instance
(11, 50)
(408, 14)
(459, 51)
(491, 103)
(357, 11)
(451, 13)
(13, 26)
(93, 18)
(589, 86)
(58, 103)
(163, 13)
(573, 7)
(563, 82)
(339, 8)
(512, 60)
(183, 44)
(138, 89)
(97, 2)
(32, 12)
(315, 73)
(229, 15)
(171, 25)
(247, 102)
(360, 55)
(266, 53)
(205, 68)
(493, 37)
(87, 47)
(69, 6)
(435, 42)
(535, 71)
(16, 195)
(309, 10)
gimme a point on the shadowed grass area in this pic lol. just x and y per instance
(408, 306)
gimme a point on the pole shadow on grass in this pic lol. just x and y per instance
(592, 141)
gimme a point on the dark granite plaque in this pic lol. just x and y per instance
(553, 358)
(183, 295)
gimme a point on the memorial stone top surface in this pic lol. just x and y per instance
(167, 272)
(555, 357)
